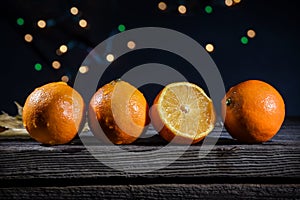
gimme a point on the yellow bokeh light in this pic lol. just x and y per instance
(63, 48)
(131, 44)
(182, 9)
(251, 33)
(83, 69)
(209, 47)
(228, 2)
(28, 38)
(83, 23)
(110, 57)
(74, 11)
(41, 24)
(237, 1)
(162, 6)
(56, 64)
(65, 78)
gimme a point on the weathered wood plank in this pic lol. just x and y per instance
(26, 162)
(224, 161)
(156, 191)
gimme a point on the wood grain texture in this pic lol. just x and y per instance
(229, 170)
(157, 191)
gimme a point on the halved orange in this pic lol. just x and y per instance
(183, 113)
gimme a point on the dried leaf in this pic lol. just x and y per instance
(15, 132)
(20, 109)
(12, 125)
(2, 129)
(86, 128)
(11, 122)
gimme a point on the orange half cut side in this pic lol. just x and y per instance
(183, 112)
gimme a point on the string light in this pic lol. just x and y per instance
(228, 2)
(244, 40)
(74, 11)
(182, 9)
(110, 57)
(83, 69)
(82, 23)
(41, 24)
(209, 47)
(208, 9)
(121, 27)
(65, 78)
(20, 21)
(56, 64)
(131, 44)
(251, 33)
(162, 6)
(28, 38)
(38, 67)
(63, 48)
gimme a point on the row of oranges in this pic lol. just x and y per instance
(253, 112)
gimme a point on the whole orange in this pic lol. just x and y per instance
(118, 111)
(53, 113)
(254, 110)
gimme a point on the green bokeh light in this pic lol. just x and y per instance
(121, 27)
(20, 21)
(208, 9)
(38, 67)
(244, 40)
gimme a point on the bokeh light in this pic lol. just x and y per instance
(131, 44)
(65, 78)
(244, 40)
(237, 1)
(208, 9)
(209, 47)
(28, 38)
(82, 23)
(74, 11)
(83, 69)
(110, 57)
(63, 48)
(162, 6)
(56, 64)
(38, 67)
(20, 21)
(228, 2)
(41, 24)
(182, 9)
(251, 33)
(121, 27)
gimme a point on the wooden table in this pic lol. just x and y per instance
(29, 170)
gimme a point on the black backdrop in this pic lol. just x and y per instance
(272, 56)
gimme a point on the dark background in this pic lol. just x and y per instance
(272, 56)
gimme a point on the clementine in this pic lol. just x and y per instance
(119, 112)
(254, 111)
(53, 113)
